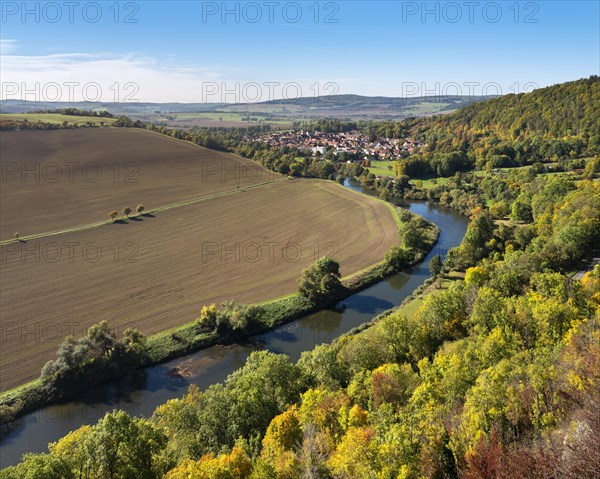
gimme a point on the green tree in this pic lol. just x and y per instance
(435, 265)
(263, 372)
(521, 209)
(411, 237)
(321, 366)
(134, 342)
(102, 338)
(122, 447)
(321, 280)
(39, 466)
(399, 257)
(479, 231)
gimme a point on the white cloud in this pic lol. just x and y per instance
(100, 77)
(7, 46)
(129, 77)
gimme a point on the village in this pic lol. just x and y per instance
(352, 142)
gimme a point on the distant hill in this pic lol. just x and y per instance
(334, 106)
(356, 106)
(130, 108)
(358, 101)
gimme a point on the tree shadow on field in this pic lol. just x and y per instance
(121, 222)
(136, 218)
(149, 215)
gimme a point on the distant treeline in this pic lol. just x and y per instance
(15, 125)
(76, 112)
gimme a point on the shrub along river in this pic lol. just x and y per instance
(141, 394)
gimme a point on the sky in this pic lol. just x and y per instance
(193, 51)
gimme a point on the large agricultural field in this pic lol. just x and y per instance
(52, 180)
(155, 272)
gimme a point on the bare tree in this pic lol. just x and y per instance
(312, 454)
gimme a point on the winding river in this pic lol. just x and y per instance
(143, 393)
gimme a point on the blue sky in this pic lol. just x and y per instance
(188, 51)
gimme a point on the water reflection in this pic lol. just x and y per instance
(323, 322)
(398, 281)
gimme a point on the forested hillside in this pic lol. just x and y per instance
(548, 124)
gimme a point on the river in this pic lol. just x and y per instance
(154, 385)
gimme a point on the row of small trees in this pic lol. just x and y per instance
(112, 215)
(126, 211)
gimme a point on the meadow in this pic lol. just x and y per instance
(57, 119)
(380, 168)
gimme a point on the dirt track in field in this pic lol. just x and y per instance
(157, 272)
